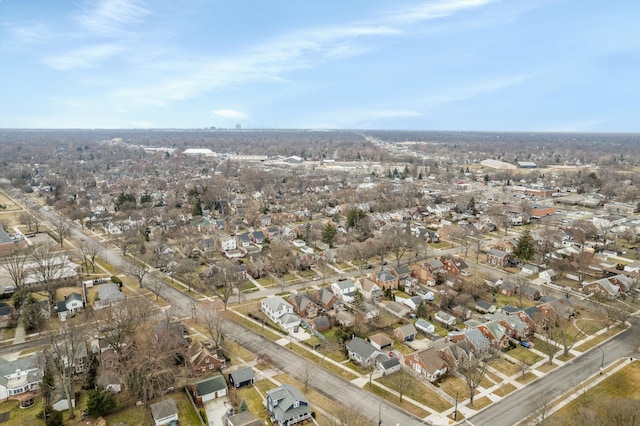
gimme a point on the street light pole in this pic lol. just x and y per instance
(455, 410)
(379, 413)
(601, 362)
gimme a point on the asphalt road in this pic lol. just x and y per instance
(520, 404)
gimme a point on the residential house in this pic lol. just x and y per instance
(514, 326)
(548, 275)
(529, 269)
(202, 359)
(257, 237)
(265, 220)
(427, 362)
(108, 295)
(345, 319)
(561, 307)
(71, 305)
(369, 288)
(498, 258)
(165, 412)
(495, 332)
(423, 275)
(461, 312)
(531, 293)
(344, 290)
(473, 337)
(303, 305)
(506, 287)
(436, 266)
(243, 240)
(275, 307)
(425, 326)
(228, 243)
(385, 280)
(506, 245)
(242, 377)
(21, 375)
(485, 307)
(412, 302)
(287, 406)
(402, 272)
(405, 333)
(610, 287)
(6, 315)
(445, 318)
(110, 381)
(325, 298)
(209, 389)
(362, 352)
(456, 266)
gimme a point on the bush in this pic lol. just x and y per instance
(116, 280)
(203, 415)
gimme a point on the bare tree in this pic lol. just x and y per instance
(61, 228)
(524, 367)
(213, 322)
(307, 377)
(478, 244)
(137, 270)
(280, 260)
(187, 272)
(156, 286)
(64, 348)
(118, 324)
(523, 286)
(26, 219)
(474, 368)
(399, 240)
(14, 265)
(48, 268)
(127, 241)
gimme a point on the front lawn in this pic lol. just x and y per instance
(415, 390)
(522, 354)
(505, 367)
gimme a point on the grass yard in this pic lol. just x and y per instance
(623, 384)
(415, 390)
(255, 401)
(480, 403)
(238, 351)
(263, 330)
(523, 354)
(266, 281)
(265, 385)
(505, 367)
(543, 346)
(453, 385)
(600, 338)
(393, 399)
(402, 348)
(494, 377)
(21, 416)
(563, 358)
(486, 382)
(504, 390)
(327, 365)
(132, 415)
(546, 367)
(528, 376)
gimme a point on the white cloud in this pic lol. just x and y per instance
(112, 17)
(229, 113)
(434, 10)
(83, 58)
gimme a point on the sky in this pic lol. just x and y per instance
(511, 65)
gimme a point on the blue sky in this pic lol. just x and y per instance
(523, 65)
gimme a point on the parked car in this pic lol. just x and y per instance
(525, 344)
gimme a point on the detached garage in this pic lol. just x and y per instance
(210, 389)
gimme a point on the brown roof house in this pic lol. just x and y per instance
(427, 362)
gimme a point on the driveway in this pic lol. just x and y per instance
(216, 410)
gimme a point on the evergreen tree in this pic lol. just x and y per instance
(329, 233)
(100, 402)
(525, 248)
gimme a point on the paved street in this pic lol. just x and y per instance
(520, 404)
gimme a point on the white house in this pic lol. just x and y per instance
(548, 275)
(228, 243)
(344, 290)
(275, 307)
(445, 318)
(19, 376)
(209, 389)
(71, 305)
(425, 326)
